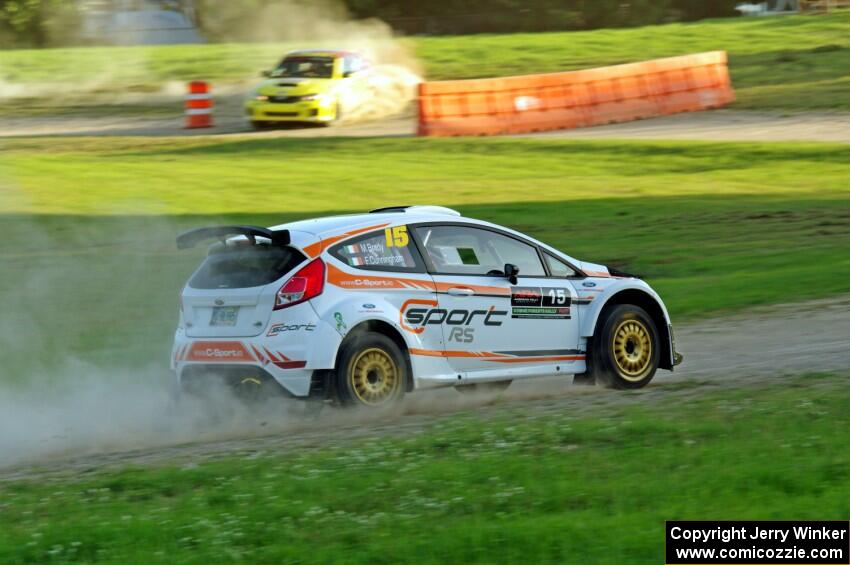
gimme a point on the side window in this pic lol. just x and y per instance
(557, 267)
(464, 250)
(385, 250)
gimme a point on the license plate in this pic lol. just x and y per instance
(224, 316)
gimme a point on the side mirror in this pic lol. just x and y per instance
(511, 271)
(347, 74)
(266, 74)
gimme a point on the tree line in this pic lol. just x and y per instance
(506, 16)
(39, 23)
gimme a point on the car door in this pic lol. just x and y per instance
(491, 327)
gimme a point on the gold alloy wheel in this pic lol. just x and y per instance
(632, 349)
(373, 376)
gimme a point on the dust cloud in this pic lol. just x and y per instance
(117, 76)
(85, 333)
(83, 371)
(88, 307)
(387, 89)
(85, 409)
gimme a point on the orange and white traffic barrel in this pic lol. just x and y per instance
(199, 105)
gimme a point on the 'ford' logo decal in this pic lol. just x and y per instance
(588, 284)
(368, 306)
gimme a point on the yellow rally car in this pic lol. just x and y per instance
(307, 86)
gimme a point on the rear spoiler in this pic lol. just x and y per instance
(191, 238)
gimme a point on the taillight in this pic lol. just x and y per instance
(307, 283)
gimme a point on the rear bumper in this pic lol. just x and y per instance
(191, 356)
(294, 344)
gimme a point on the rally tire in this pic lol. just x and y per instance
(258, 125)
(626, 348)
(371, 373)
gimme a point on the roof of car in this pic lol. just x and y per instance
(339, 228)
(320, 53)
(378, 218)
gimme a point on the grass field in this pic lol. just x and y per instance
(90, 268)
(507, 484)
(779, 63)
(90, 277)
(89, 284)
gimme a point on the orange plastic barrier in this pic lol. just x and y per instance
(199, 105)
(575, 99)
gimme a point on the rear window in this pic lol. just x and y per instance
(245, 266)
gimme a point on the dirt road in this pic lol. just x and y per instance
(718, 125)
(742, 350)
(723, 125)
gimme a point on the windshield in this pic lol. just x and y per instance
(245, 266)
(305, 67)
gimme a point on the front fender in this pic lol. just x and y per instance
(637, 292)
(591, 315)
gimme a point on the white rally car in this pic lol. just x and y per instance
(363, 308)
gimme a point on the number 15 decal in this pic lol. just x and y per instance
(557, 296)
(397, 236)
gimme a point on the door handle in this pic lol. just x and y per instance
(460, 291)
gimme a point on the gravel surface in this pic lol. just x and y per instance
(718, 125)
(746, 349)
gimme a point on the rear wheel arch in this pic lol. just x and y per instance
(387, 329)
(652, 307)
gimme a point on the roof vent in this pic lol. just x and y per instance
(416, 210)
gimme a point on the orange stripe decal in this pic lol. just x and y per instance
(479, 289)
(340, 278)
(438, 353)
(494, 357)
(450, 353)
(315, 249)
